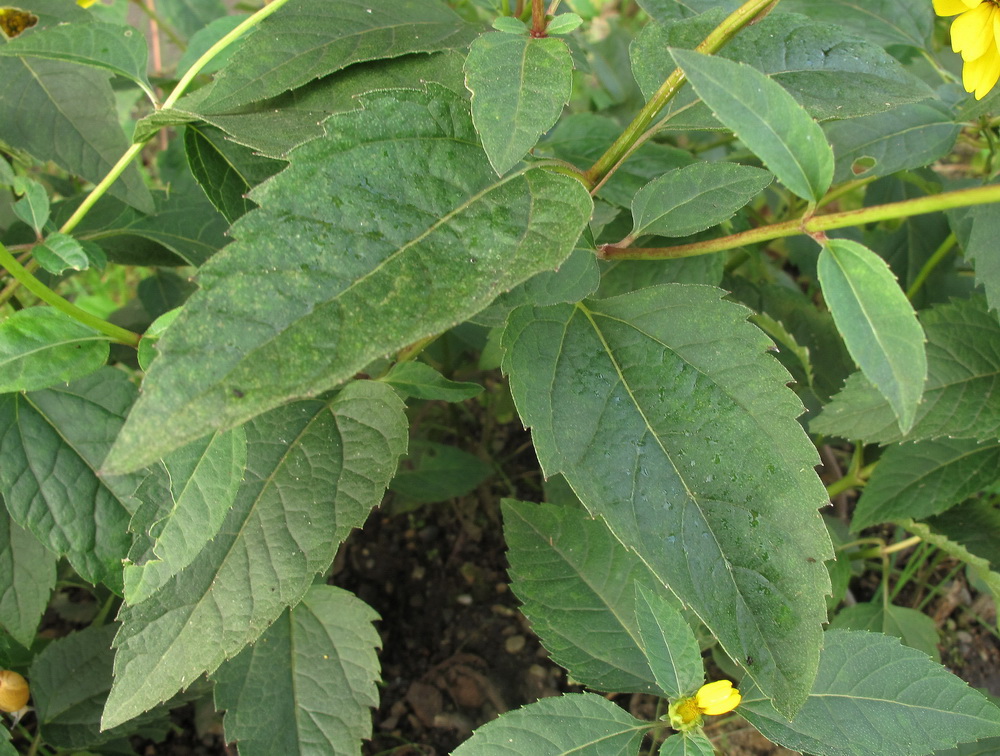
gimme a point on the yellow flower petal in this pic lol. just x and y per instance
(85, 3)
(718, 697)
(14, 691)
(954, 7)
(981, 75)
(972, 32)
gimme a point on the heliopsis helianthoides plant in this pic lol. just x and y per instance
(976, 35)
(714, 698)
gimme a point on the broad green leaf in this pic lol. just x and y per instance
(691, 199)
(767, 120)
(81, 133)
(961, 396)
(6, 748)
(312, 38)
(884, 22)
(273, 127)
(874, 697)
(987, 747)
(226, 171)
(121, 50)
(419, 380)
(577, 584)
(710, 477)
(909, 136)
(878, 324)
(347, 260)
(926, 478)
(188, 17)
(59, 253)
(314, 471)
(52, 442)
(33, 207)
(914, 628)
(27, 577)
(42, 346)
(623, 276)
(582, 138)
(580, 724)
(204, 477)
(694, 743)
(318, 666)
(437, 472)
(70, 680)
(977, 229)
(578, 277)
(851, 78)
(669, 645)
(519, 86)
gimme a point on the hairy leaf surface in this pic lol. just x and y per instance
(668, 420)
(27, 577)
(348, 259)
(314, 471)
(318, 666)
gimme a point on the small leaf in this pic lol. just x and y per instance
(519, 86)
(579, 724)
(318, 666)
(691, 199)
(977, 229)
(27, 577)
(147, 344)
(564, 23)
(59, 253)
(119, 49)
(33, 207)
(419, 380)
(437, 472)
(877, 322)
(670, 646)
(693, 743)
(766, 119)
(872, 697)
(510, 25)
(42, 346)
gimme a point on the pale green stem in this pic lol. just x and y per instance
(816, 224)
(939, 254)
(46, 294)
(632, 133)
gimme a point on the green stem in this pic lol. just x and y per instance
(980, 195)
(939, 254)
(712, 43)
(46, 294)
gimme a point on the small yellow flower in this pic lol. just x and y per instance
(14, 693)
(714, 698)
(975, 33)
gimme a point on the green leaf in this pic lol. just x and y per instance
(577, 584)
(766, 118)
(884, 22)
(203, 39)
(147, 344)
(850, 78)
(59, 253)
(962, 393)
(373, 244)
(27, 577)
(977, 229)
(914, 628)
(692, 199)
(190, 16)
(318, 665)
(314, 471)
(926, 478)
(580, 724)
(510, 25)
(419, 380)
(873, 697)
(670, 646)
(909, 136)
(226, 171)
(33, 207)
(121, 50)
(204, 477)
(973, 525)
(519, 86)
(81, 133)
(437, 472)
(710, 477)
(693, 743)
(42, 346)
(312, 38)
(564, 23)
(878, 324)
(52, 443)
(987, 747)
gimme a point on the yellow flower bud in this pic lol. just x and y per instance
(14, 691)
(713, 698)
